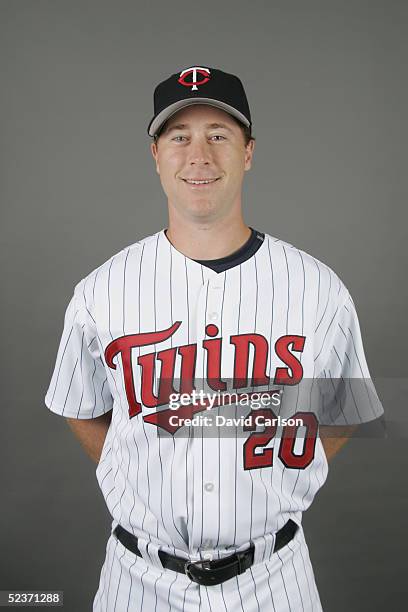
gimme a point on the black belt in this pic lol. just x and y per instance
(204, 571)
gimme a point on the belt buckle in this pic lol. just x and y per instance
(188, 571)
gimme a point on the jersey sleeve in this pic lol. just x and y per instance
(79, 388)
(347, 392)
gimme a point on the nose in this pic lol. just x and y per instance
(199, 152)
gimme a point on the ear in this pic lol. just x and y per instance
(249, 151)
(153, 148)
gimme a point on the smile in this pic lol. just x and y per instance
(200, 181)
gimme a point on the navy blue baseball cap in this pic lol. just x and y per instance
(199, 85)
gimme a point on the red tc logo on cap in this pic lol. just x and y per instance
(204, 72)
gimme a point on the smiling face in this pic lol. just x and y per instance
(201, 158)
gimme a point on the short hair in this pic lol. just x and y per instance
(246, 131)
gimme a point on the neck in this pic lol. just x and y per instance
(208, 240)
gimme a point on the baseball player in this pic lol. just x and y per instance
(209, 517)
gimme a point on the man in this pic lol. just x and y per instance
(204, 517)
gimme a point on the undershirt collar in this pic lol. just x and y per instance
(248, 249)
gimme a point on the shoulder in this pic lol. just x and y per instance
(110, 270)
(315, 272)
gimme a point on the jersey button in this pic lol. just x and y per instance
(209, 486)
(213, 316)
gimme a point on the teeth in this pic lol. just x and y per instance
(200, 182)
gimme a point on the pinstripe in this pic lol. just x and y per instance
(141, 581)
(121, 415)
(174, 442)
(318, 286)
(239, 593)
(130, 431)
(184, 596)
(305, 572)
(270, 589)
(303, 295)
(272, 302)
(189, 429)
(235, 459)
(91, 342)
(355, 351)
(86, 305)
(283, 580)
(110, 576)
(69, 386)
(253, 580)
(270, 352)
(124, 424)
(266, 501)
(124, 293)
(325, 335)
(327, 303)
(361, 370)
(120, 578)
(219, 439)
(94, 388)
(349, 385)
(143, 425)
(300, 359)
(168, 596)
(283, 467)
(93, 288)
(208, 599)
(306, 490)
(297, 581)
(106, 474)
(62, 358)
(338, 403)
(236, 441)
(155, 589)
(109, 300)
(296, 481)
(80, 368)
(288, 288)
(102, 581)
(202, 440)
(105, 456)
(131, 584)
(127, 473)
(130, 521)
(250, 472)
(154, 383)
(222, 595)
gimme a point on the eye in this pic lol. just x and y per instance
(176, 137)
(218, 136)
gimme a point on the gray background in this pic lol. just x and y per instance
(327, 88)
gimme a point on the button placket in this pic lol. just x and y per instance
(215, 286)
(206, 459)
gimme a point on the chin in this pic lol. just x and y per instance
(205, 208)
(199, 206)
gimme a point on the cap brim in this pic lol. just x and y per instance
(165, 114)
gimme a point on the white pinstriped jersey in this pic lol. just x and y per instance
(150, 311)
